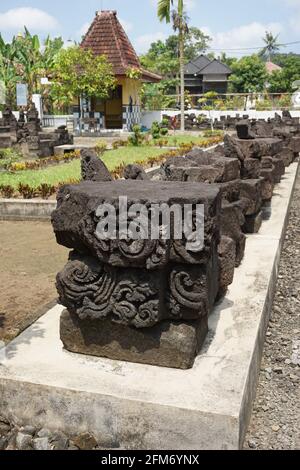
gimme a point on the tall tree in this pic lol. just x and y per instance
(272, 46)
(281, 81)
(78, 72)
(179, 19)
(249, 75)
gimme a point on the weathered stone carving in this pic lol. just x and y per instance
(135, 172)
(96, 291)
(26, 133)
(76, 220)
(138, 284)
(148, 300)
(92, 168)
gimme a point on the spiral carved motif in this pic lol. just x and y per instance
(95, 291)
(187, 292)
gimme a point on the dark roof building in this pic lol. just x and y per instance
(203, 74)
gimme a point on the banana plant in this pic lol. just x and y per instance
(8, 71)
(29, 60)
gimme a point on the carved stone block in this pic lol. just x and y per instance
(137, 297)
(253, 223)
(227, 260)
(251, 190)
(76, 220)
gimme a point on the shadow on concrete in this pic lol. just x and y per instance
(34, 331)
(219, 309)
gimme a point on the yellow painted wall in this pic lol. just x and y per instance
(130, 88)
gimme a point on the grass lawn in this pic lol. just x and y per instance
(67, 171)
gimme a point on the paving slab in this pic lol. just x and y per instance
(134, 406)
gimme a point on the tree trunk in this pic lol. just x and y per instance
(181, 60)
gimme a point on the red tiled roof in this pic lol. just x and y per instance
(272, 67)
(106, 36)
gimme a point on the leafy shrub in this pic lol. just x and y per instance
(264, 105)
(214, 133)
(8, 157)
(155, 130)
(137, 138)
(46, 190)
(164, 131)
(18, 166)
(7, 191)
(285, 101)
(101, 147)
(115, 145)
(28, 192)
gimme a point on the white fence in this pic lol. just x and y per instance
(148, 117)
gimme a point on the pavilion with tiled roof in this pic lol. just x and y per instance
(106, 36)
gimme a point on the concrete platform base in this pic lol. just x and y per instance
(135, 406)
(22, 209)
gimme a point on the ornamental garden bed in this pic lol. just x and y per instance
(41, 178)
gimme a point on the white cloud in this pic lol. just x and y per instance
(293, 3)
(242, 37)
(142, 43)
(294, 21)
(33, 18)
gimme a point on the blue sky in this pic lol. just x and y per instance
(233, 24)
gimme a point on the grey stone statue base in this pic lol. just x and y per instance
(167, 344)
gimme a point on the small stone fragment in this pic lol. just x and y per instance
(23, 441)
(41, 443)
(85, 441)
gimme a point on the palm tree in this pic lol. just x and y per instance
(272, 46)
(180, 21)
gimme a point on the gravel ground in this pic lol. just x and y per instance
(275, 422)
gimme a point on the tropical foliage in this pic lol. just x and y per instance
(26, 59)
(282, 81)
(249, 75)
(72, 71)
(271, 46)
(78, 72)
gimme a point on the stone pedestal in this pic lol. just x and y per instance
(167, 344)
(143, 300)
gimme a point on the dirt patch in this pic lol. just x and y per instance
(30, 259)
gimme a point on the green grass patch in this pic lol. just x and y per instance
(68, 171)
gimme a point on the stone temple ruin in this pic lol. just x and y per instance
(148, 301)
(27, 135)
